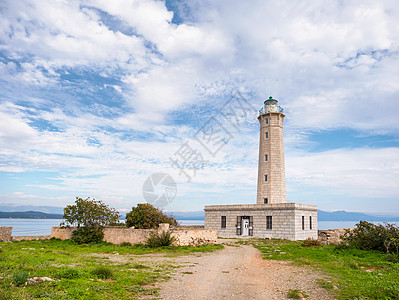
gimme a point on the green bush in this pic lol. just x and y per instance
(86, 235)
(102, 272)
(90, 216)
(20, 278)
(69, 273)
(311, 243)
(125, 244)
(146, 216)
(368, 236)
(160, 239)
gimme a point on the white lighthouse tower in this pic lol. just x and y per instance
(271, 166)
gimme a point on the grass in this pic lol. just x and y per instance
(102, 271)
(354, 273)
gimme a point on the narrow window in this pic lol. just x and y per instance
(265, 200)
(267, 135)
(267, 121)
(310, 223)
(266, 177)
(269, 222)
(303, 223)
(266, 158)
(223, 221)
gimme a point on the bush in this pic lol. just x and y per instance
(368, 236)
(311, 243)
(146, 216)
(102, 272)
(161, 239)
(20, 278)
(90, 216)
(85, 235)
(69, 273)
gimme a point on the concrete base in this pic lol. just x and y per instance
(291, 221)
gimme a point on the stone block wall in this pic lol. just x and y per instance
(5, 234)
(286, 220)
(30, 237)
(332, 236)
(117, 235)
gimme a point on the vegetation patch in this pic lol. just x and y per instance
(296, 294)
(160, 239)
(81, 272)
(354, 273)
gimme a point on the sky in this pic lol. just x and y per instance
(97, 96)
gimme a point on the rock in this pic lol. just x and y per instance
(36, 280)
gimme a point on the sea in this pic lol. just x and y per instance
(43, 226)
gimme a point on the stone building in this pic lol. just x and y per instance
(271, 216)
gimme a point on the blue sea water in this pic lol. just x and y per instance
(43, 226)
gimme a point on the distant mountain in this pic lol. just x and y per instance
(29, 215)
(353, 216)
(187, 215)
(19, 208)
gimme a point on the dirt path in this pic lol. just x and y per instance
(239, 272)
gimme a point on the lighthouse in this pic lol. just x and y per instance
(271, 165)
(272, 217)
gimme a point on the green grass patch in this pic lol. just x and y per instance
(354, 273)
(93, 271)
(296, 294)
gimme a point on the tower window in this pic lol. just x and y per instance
(310, 223)
(269, 222)
(303, 223)
(266, 177)
(267, 135)
(266, 158)
(267, 121)
(265, 200)
(223, 221)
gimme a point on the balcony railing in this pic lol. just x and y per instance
(271, 108)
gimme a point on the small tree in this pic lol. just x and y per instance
(146, 216)
(90, 216)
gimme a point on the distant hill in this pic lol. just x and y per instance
(20, 208)
(29, 215)
(353, 216)
(37, 213)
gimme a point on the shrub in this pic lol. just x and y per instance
(102, 272)
(20, 278)
(160, 239)
(311, 243)
(91, 215)
(125, 244)
(146, 216)
(69, 273)
(85, 235)
(368, 236)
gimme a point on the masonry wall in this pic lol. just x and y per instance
(305, 232)
(5, 234)
(286, 220)
(274, 188)
(117, 235)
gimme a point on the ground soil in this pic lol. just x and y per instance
(239, 272)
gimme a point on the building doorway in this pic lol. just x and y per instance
(245, 227)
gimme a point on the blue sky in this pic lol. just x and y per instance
(98, 95)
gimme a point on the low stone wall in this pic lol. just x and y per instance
(331, 236)
(30, 237)
(5, 234)
(194, 237)
(184, 236)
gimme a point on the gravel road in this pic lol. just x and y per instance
(239, 272)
